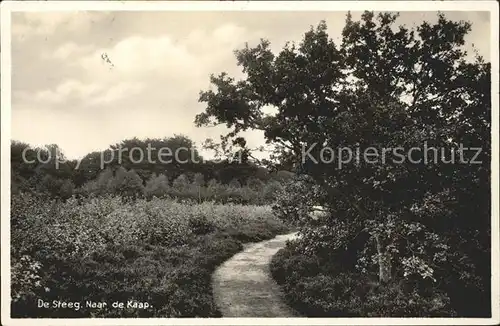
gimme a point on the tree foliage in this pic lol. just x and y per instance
(385, 86)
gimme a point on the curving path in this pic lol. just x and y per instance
(243, 286)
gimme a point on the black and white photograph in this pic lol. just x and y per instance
(250, 163)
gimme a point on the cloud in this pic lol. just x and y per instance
(74, 91)
(148, 88)
(68, 51)
(68, 93)
(31, 24)
(117, 92)
(137, 56)
(185, 58)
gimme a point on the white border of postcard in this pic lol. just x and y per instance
(38, 6)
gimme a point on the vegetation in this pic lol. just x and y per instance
(403, 237)
(148, 235)
(96, 174)
(161, 252)
(399, 238)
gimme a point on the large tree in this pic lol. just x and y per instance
(384, 86)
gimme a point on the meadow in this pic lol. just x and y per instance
(155, 256)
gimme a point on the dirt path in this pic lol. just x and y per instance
(243, 286)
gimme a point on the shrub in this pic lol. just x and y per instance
(201, 225)
(323, 295)
(316, 290)
(56, 187)
(393, 301)
(296, 199)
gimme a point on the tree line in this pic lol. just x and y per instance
(46, 171)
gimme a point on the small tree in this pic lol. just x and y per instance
(199, 179)
(181, 183)
(127, 183)
(214, 189)
(157, 186)
(105, 183)
(198, 183)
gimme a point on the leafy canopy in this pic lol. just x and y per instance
(384, 85)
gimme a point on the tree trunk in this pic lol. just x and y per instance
(384, 261)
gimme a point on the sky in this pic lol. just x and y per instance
(64, 92)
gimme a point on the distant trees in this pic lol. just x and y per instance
(42, 170)
(203, 181)
(123, 170)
